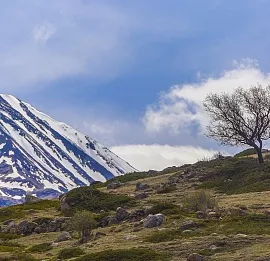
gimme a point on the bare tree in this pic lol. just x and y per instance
(240, 118)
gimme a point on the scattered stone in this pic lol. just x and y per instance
(130, 237)
(213, 214)
(187, 225)
(153, 220)
(121, 214)
(99, 235)
(142, 195)
(137, 229)
(195, 257)
(114, 185)
(200, 214)
(7, 222)
(188, 231)
(141, 186)
(213, 247)
(241, 236)
(64, 236)
(113, 221)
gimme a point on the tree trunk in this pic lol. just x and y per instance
(260, 156)
(86, 236)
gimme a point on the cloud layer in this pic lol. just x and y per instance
(158, 157)
(181, 107)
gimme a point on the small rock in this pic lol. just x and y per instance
(213, 247)
(141, 186)
(195, 257)
(200, 214)
(142, 195)
(121, 214)
(114, 185)
(188, 231)
(153, 220)
(113, 221)
(213, 214)
(64, 236)
(189, 225)
(7, 222)
(241, 236)
(130, 237)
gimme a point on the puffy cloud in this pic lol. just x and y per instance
(181, 107)
(158, 157)
(43, 32)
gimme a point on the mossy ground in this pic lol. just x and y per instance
(236, 238)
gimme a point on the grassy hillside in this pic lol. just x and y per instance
(226, 200)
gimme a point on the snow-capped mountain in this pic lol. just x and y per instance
(44, 157)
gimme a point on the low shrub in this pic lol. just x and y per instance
(40, 248)
(68, 253)
(165, 208)
(200, 201)
(137, 254)
(88, 198)
(163, 236)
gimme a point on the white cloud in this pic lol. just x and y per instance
(181, 107)
(43, 32)
(158, 157)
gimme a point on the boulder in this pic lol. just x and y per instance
(8, 222)
(114, 185)
(64, 206)
(64, 236)
(113, 221)
(153, 220)
(121, 214)
(195, 257)
(30, 199)
(26, 227)
(187, 225)
(141, 186)
(142, 195)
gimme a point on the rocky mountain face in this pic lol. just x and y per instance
(41, 156)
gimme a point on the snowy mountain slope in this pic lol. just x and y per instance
(46, 157)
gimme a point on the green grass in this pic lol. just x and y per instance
(19, 257)
(40, 248)
(88, 198)
(19, 211)
(165, 208)
(125, 255)
(68, 253)
(238, 175)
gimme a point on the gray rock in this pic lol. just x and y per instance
(8, 222)
(121, 214)
(30, 199)
(64, 236)
(195, 257)
(200, 214)
(114, 185)
(26, 227)
(187, 225)
(113, 221)
(142, 195)
(64, 206)
(141, 186)
(153, 220)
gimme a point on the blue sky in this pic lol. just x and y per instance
(133, 74)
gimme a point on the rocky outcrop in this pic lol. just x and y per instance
(153, 220)
(141, 186)
(114, 185)
(64, 236)
(195, 257)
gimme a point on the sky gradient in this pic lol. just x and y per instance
(133, 74)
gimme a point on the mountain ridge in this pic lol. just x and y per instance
(45, 157)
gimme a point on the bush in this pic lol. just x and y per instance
(164, 208)
(88, 198)
(40, 248)
(83, 222)
(70, 253)
(200, 201)
(125, 255)
(124, 178)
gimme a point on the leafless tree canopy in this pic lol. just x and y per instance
(242, 117)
